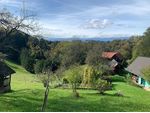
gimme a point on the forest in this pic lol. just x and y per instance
(35, 53)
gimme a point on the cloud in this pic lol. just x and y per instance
(122, 25)
(11, 3)
(139, 7)
(97, 24)
(136, 8)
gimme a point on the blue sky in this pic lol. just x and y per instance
(87, 18)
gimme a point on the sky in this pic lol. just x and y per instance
(86, 18)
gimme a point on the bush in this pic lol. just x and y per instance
(102, 85)
(73, 76)
(117, 78)
(89, 77)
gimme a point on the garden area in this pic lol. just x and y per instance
(27, 95)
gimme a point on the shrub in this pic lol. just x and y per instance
(102, 86)
(117, 78)
(89, 77)
(73, 75)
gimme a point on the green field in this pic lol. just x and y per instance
(27, 95)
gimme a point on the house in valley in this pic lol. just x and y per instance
(115, 60)
(135, 71)
(5, 77)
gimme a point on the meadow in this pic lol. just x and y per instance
(27, 95)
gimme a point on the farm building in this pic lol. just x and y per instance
(112, 55)
(115, 60)
(5, 77)
(135, 71)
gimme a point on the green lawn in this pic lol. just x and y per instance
(27, 95)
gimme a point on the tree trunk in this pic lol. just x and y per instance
(73, 87)
(46, 95)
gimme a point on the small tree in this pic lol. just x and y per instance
(45, 79)
(102, 86)
(74, 78)
(48, 69)
(92, 73)
(89, 77)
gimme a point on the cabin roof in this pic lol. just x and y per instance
(5, 70)
(113, 63)
(138, 64)
(109, 55)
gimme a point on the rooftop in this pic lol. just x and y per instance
(109, 55)
(5, 70)
(138, 64)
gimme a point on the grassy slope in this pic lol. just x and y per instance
(27, 95)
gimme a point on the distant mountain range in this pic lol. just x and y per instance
(88, 39)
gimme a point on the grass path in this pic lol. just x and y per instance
(27, 95)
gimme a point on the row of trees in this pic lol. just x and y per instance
(63, 54)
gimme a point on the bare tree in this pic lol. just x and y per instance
(10, 23)
(45, 79)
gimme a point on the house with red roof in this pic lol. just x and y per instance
(112, 55)
(115, 60)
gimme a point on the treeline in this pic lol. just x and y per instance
(36, 54)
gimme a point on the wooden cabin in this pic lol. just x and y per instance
(135, 69)
(115, 60)
(113, 56)
(5, 77)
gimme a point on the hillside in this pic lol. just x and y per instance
(23, 79)
(27, 95)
